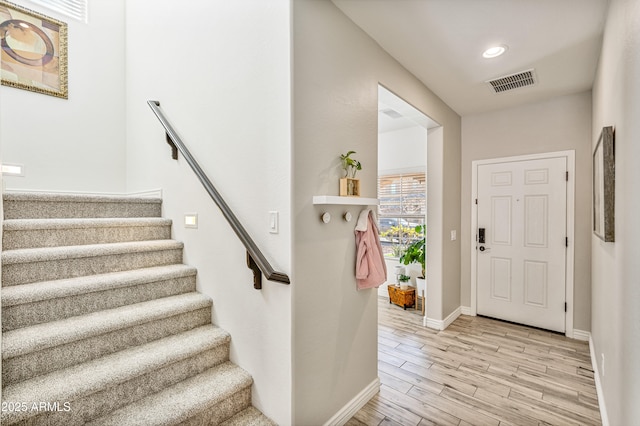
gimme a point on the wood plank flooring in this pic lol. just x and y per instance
(478, 372)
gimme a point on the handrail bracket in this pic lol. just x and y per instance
(174, 148)
(255, 259)
(257, 273)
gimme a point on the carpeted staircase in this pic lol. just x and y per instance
(102, 324)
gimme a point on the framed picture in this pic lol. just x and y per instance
(34, 51)
(604, 180)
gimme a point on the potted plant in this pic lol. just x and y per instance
(414, 253)
(349, 185)
(404, 281)
(350, 165)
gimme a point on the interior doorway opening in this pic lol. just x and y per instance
(402, 190)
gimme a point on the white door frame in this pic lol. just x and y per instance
(571, 166)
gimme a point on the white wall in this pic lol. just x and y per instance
(559, 124)
(221, 71)
(615, 267)
(402, 151)
(337, 69)
(435, 242)
(76, 144)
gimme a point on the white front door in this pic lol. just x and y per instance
(522, 207)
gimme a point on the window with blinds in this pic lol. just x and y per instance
(403, 206)
(76, 9)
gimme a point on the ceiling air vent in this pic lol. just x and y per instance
(391, 113)
(513, 81)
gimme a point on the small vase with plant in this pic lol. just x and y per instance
(349, 185)
(404, 281)
(350, 165)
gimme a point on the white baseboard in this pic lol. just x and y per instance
(152, 193)
(443, 324)
(580, 335)
(353, 406)
(466, 310)
(596, 373)
(452, 317)
(431, 323)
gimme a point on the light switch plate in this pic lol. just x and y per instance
(273, 222)
(454, 235)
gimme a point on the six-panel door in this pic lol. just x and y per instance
(521, 266)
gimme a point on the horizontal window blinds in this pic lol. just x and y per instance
(76, 9)
(402, 195)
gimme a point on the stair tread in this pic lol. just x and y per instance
(118, 361)
(46, 335)
(25, 205)
(84, 251)
(78, 198)
(87, 378)
(80, 223)
(182, 400)
(55, 289)
(250, 416)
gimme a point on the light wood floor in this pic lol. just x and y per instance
(478, 372)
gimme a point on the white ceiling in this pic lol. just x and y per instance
(396, 114)
(441, 43)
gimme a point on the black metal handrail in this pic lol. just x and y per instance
(255, 259)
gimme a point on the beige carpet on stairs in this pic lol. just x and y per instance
(102, 324)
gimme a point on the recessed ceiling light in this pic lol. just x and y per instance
(494, 52)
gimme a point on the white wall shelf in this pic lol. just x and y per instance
(345, 201)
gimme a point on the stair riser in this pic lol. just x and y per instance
(23, 273)
(19, 239)
(95, 342)
(92, 406)
(27, 314)
(27, 209)
(31, 365)
(249, 416)
(222, 411)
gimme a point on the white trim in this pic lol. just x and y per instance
(353, 406)
(570, 259)
(596, 374)
(151, 193)
(443, 324)
(431, 323)
(581, 335)
(466, 310)
(452, 317)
